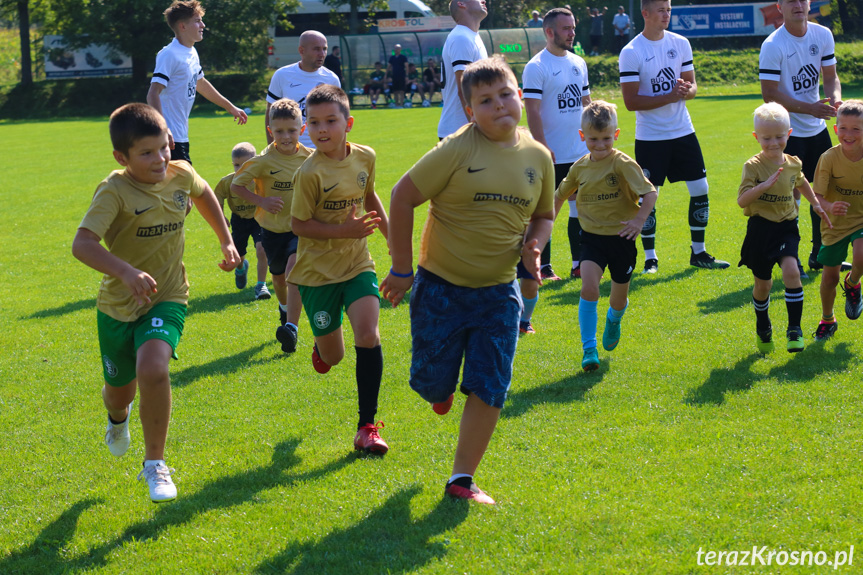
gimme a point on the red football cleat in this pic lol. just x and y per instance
(443, 407)
(319, 364)
(474, 493)
(367, 439)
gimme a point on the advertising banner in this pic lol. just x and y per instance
(91, 62)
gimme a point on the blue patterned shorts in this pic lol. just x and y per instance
(450, 323)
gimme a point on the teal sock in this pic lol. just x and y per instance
(587, 322)
(529, 305)
(261, 283)
(615, 315)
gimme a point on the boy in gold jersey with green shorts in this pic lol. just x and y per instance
(766, 195)
(139, 212)
(334, 209)
(839, 185)
(608, 185)
(243, 223)
(490, 187)
(272, 172)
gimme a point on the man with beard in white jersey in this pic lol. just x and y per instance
(556, 90)
(462, 47)
(793, 58)
(656, 78)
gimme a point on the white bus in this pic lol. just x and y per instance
(316, 16)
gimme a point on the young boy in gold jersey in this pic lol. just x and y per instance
(334, 209)
(839, 185)
(243, 223)
(272, 172)
(766, 195)
(608, 185)
(139, 213)
(490, 187)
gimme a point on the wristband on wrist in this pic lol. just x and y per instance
(398, 275)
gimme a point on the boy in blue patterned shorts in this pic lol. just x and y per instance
(487, 184)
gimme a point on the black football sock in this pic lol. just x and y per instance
(762, 313)
(370, 370)
(794, 305)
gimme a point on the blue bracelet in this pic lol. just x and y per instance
(398, 275)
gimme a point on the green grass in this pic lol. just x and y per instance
(684, 439)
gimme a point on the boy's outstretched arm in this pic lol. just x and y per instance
(632, 228)
(88, 249)
(755, 192)
(353, 226)
(405, 198)
(209, 91)
(538, 232)
(806, 191)
(209, 209)
(272, 204)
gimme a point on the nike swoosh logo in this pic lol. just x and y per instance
(791, 54)
(649, 59)
(139, 212)
(330, 188)
(555, 73)
(295, 85)
(276, 172)
(472, 171)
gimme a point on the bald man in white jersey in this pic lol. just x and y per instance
(295, 81)
(793, 60)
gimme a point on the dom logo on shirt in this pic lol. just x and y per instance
(663, 82)
(569, 98)
(806, 78)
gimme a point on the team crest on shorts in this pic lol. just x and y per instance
(530, 174)
(672, 54)
(110, 368)
(813, 50)
(362, 178)
(611, 180)
(180, 200)
(322, 319)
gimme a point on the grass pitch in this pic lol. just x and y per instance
(685, 439)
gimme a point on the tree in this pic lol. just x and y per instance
(136, 27)
(20, 10)
(353, 26)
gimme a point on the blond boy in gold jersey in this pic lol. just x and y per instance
(839, 185)
(334, 209)
(243, 224)
(608, 185)
(139, 212)
(272, 172)
(490, 187)
(766, 195)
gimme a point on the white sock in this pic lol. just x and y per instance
(149, 462)
(575, 263)
(457, 475)
(650, 254)
(698, 247)
(283, 307)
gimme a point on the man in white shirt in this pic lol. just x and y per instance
(295, 81)
(792, 59)
(556, 90)
(621, 24)
(656, 78)
(179, 77)
(462, 47)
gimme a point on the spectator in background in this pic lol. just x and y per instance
(397, 70)
(431, 81)
(621, 25)
(333, 63)
(535, 21)
(596, 29)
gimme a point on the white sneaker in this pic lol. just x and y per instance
(117, 436)
(426, 104)
(158, 476)
(261, 291)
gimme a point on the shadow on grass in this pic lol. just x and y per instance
(567, 390)
(555, 293)
(802, 367)
(743, 297)
(223, 493)
(220, 301)
(228, 364)
(45, 553)
(64, 309)
(388, 540)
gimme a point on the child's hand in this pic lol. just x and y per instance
(232, 257)
(141, 284)
(530, 254)
(839, 208)
(272, 204)
(394, 288)
(768, 183)
(360, 227)
(631, 228)
(820, 211)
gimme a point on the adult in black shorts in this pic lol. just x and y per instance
(397, 69)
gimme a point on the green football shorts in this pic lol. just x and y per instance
(324, 304)
(835, 254)
(119, 340)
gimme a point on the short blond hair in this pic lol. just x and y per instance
(243, 149)
(851, 108)
(599, 115)
(772, 112)
(285, 109)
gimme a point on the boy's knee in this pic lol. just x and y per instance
(369, 337)
(279, 280)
